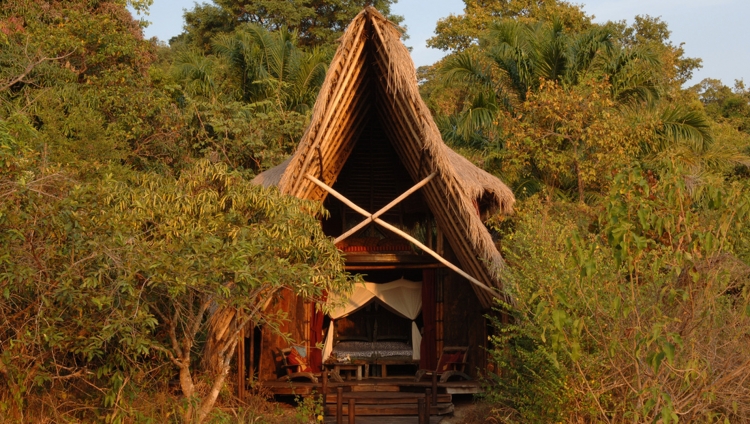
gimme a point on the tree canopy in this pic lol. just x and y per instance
(631, 225)
(316, 22)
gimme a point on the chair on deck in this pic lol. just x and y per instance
(296, 366)
(452, 363)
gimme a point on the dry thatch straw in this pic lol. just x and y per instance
(372, 73)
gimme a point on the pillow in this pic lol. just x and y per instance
(294, 358)
(301, 350)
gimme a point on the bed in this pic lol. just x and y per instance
(363, 350)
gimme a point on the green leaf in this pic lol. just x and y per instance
(669, 352)
(654, 360)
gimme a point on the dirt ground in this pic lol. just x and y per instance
(469, 411)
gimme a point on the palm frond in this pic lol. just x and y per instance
(513, 52)
(549, 51)
(469, 68)
(582, 51)
(685, 126)
(197, 72)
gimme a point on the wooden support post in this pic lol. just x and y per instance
(324, 388)
(241, 381)
(339, 405)
(421, 405)
(434, 388)
(351, 411)
(427, 401)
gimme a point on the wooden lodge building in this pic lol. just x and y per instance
(404, 208)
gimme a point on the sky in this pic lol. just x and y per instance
(713, 30)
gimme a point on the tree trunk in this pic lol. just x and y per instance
(188, 389)
(221, 326)
(209, 401)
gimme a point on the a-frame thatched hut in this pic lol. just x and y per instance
(370, 140)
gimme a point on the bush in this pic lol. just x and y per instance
(633, 311)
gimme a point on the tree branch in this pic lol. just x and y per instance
(30, 67)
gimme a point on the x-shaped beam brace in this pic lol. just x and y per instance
(374, 218)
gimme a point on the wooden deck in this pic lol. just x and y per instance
(391, 420)
(390, 384)
(396, 398)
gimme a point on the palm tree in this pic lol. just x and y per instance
(271, 68)
(518, 58)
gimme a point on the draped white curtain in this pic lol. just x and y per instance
(403, 296)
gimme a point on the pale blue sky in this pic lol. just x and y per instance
(711, 29)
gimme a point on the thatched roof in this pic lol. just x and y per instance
(372, 74)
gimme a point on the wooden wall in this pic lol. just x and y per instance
(463, 317)
(271, 344)
(463, 323)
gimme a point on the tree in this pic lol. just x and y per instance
(116, 233)
(654, 33)
(211, 240)
(318, 22)
(270, 67)
(540, 102)
(724, 104)
(612, 304)
(118, 276)
(75, 71)
(458, 32)
(250, 99)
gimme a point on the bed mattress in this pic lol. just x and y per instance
(370, 350)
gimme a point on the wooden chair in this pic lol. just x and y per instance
(300, 369)
(297, 370)
(452, 363)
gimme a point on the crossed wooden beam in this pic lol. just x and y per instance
(374, 217)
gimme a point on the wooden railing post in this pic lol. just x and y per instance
(427, 401)
(339, 405)
(434, 389)
(324, 388)
(421, 405)
(351, 411)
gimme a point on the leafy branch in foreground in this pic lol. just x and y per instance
(119, 275)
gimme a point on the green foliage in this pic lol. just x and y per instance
(309, 409)
(654, 33)
(117, 233)
(555, 109)
(270, 67)
(111, 268)
(129, 227)
(318, 23)
(630, 304)
(458, 32)
(627, 322)
(724, 104)
(250, 101)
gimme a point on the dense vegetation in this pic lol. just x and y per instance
(127, 217)
(628, 254)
